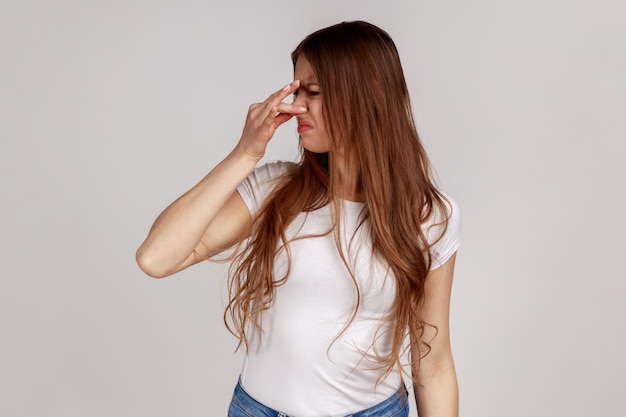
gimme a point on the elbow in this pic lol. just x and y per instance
(149, 265)
(434, 366)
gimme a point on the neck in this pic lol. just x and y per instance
(349, 187)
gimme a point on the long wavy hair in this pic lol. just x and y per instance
(368, 114)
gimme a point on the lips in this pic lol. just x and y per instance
(303, 126)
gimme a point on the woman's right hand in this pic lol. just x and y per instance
(264, 118)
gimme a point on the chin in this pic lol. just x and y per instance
(314, 147)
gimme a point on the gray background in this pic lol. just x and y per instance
(111, 109)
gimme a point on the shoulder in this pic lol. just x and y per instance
(263, 177)
(443, 230)
(273, 169)
(261, 181)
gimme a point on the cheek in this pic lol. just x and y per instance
(315, 107)
(316, 111)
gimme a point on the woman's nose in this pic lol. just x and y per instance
(299, 100)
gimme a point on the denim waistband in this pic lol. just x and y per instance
(243, 405)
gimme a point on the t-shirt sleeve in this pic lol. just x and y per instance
(260, 183)
(445, 245)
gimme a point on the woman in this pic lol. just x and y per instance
(339, 257)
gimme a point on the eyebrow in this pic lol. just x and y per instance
(307, 85)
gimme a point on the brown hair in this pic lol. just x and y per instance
(367, 111)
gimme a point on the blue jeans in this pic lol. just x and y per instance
(243, 405)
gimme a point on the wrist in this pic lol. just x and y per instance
(244, 156)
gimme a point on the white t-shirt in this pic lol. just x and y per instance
(305, 366)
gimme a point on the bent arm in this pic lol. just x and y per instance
(211, 216)
(203, 222)
(436, 390)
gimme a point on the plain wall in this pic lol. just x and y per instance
(109, 110)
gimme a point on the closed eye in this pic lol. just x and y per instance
(309, 92)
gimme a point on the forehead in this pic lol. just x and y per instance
(304, 70)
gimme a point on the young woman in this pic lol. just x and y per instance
(343, 262)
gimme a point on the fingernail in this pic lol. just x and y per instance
(295, 82)
(301, 108)
(287, 87)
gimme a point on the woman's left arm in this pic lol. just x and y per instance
(436, 390)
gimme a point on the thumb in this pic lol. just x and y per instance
(281, 118)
